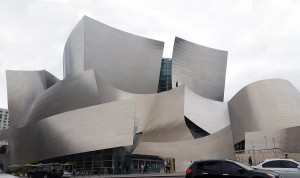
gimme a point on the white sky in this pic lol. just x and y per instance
(261, 36)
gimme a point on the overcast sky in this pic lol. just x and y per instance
(261, 36)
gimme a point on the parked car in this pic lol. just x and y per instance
(51, 170)
(226, 168)
(66, 174)
(3, 175)
(287, 168)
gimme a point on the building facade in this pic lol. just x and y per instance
(121, 105)
(4, 119)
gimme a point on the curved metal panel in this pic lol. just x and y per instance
(97, 127)
(200, 68)
(22, 88)
(75, 92)
(210, 115)
(109, 93)
(50, 79)
(157, 115)
(216, 146)
(74, 51)
(128, 62)
(160, 116)
(264, 105)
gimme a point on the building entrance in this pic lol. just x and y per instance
(150, 165)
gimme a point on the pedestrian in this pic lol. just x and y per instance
(286, 156)
(74, 172)
(250, 161)
(168, 167)
(142, 168)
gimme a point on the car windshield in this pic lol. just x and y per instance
(242, 165)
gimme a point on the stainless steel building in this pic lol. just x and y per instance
(115, 109)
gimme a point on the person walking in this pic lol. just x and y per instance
(74, 172)
(250, 161)
(142, 168)
(168, 167)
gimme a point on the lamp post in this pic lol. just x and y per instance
(266, 142)
(254, 154)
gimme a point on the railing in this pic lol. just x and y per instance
(259, 155)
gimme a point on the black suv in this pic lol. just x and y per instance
(226, 168)
(51, 170)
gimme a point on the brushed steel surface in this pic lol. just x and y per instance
(218, 145)
(200, 68)
(160, 116)
(108, 93)
(128, 62)
(264, 105)
(22, 88)
(74, 51)
(92, 128)
(209, 115)
(75, 92)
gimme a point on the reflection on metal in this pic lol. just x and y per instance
(218, 145)
(128, 62)
(87, 129)
(200, 68)
(210, 115)
(22, 88)
(264, 105)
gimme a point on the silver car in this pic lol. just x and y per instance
(287, 168)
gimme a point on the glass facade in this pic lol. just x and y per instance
(240, 146)
(108, 161)
(165, 79)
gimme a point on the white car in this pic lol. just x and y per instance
(287, 168)
(66, 174)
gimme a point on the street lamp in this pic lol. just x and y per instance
(266, 142)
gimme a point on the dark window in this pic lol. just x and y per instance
(228, 167)
(199, 166)
(212, 166)
(288, 164)
(195, 130)
(272, 164)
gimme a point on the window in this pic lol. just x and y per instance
(212, 166)
(230, 167)
(272, 164)
(199, 166)
(288, 164)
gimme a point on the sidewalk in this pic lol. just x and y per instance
(144, 175)
(176, 174)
